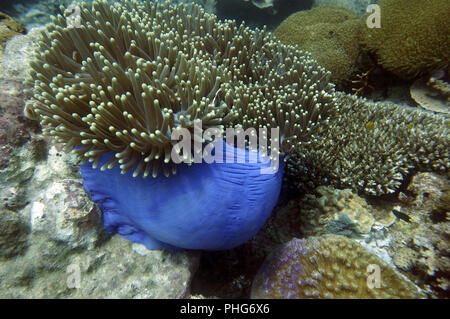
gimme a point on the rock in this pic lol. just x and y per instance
(113, 270)
(14, 60)
(13, 233)
(56, 242)
(8, 28)
(420, 248)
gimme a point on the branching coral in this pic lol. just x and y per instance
(133, 73)
(371, 147)
(414, 36)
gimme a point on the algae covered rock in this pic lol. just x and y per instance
(331, 266)
(414, 38)
(13, 233)
(331, 35)
(8, 28)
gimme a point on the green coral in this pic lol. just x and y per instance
(414, 38)
(331, 266)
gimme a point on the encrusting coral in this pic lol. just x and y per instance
(331, 266)
(413, 39)
(133, 73)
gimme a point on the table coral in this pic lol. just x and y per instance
(328, 267)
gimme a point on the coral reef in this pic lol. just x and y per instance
(416, 245)
(37, 13)
(156, 82)
(48, 223)
(332, 36)
(15, 129)
(248, 85)
(370, 147)
(325, 210)
(411, 47)
(15, 58)
(330, 266)
(13, 234)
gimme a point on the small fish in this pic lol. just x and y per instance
(401, 215)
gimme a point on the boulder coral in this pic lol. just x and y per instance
(414, 38)
(331, 35)
(331, 266)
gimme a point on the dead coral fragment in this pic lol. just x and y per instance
(414, 36)
(432, 93)
(331, 266)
